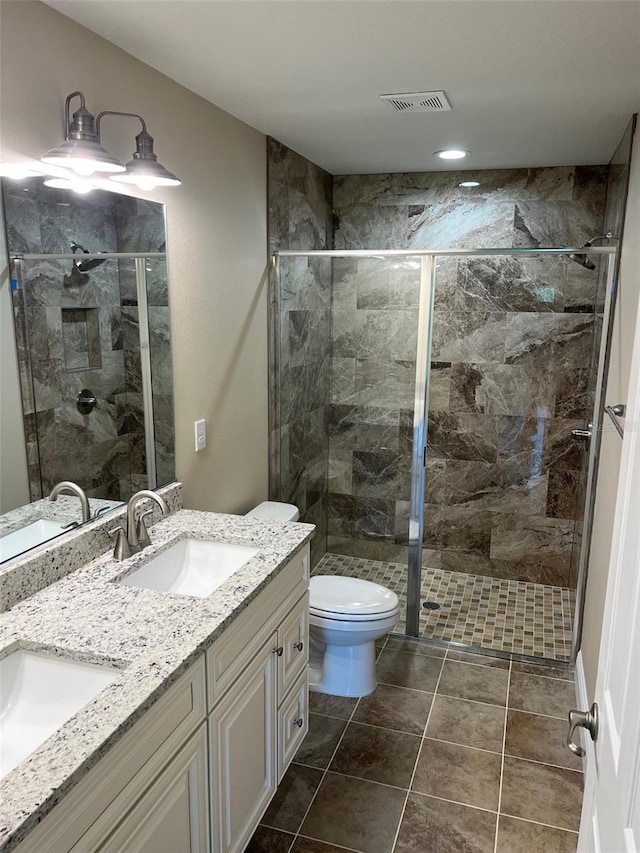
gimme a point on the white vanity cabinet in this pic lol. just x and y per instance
(196, 773)
(149, 794)
(256, 676)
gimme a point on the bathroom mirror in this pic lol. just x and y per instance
(92, 341)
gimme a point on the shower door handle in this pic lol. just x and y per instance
(583, 435)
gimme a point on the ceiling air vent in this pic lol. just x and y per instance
(418, 102)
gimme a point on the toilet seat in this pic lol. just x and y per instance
(344, 599)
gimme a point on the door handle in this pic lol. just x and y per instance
(588, 720)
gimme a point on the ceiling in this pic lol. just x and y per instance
(531, 82)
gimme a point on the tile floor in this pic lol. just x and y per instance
(493, 613)
(453, 753)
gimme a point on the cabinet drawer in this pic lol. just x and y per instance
(293, 723)
(293, 639)
(233, 651)
(127, 769)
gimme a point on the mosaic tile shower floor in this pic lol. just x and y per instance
(491, 613)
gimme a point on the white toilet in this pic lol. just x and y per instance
(346, 617)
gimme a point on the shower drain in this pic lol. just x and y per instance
(431, 605)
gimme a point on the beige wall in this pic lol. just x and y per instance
(617, 392)
(216, 226)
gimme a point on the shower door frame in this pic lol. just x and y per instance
(423, 368)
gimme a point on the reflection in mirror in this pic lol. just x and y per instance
(93, 348)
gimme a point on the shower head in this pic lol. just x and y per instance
(583, 259)
(85, 266)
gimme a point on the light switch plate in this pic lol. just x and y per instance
(201, 434)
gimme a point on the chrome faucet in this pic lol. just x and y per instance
(72, 489)
(137, 535)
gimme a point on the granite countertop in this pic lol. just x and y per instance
(65, 509)
(152, 636)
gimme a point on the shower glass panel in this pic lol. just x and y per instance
(424, 406)
(510, 358)
(88, 340)
(346, 341)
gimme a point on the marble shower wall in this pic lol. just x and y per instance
(511, 352)
(141, 228)
(72, 333)
(300, 217)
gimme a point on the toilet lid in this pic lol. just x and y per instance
(350, 597)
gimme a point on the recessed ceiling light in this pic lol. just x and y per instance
(451, 154)
(469, 184)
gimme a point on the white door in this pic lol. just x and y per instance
(611, 810)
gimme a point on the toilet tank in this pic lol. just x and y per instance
(275, 511)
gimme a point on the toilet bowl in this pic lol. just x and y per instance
(346, 617)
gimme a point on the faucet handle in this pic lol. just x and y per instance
(122, 551)
(141, 529)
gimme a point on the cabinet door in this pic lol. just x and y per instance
(243, 752)
(172, 814)
(293, 639)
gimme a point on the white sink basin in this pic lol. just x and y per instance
(191, 567)
(38, 693)
(28, 537)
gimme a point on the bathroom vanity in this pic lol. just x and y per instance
(184, 750)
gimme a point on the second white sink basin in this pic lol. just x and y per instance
(28, 537)
(191, 567)
(38, 693)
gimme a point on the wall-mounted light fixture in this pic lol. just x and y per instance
(82, 151)
(143, 170)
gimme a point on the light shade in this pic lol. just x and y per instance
(83, 156)
(469, 184)
(144, 170)
(77, 186)
(81, 149)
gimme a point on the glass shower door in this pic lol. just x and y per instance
(511, 341)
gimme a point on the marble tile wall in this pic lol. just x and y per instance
(140, 227)
(300, 217)
(511, 355)
(59, 354)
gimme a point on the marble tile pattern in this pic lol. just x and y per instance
(73, 332)
(34, 570)
(506, 616)
(300, 217)
(511, 365)
(154, 637)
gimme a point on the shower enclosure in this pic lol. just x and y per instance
(95, 370)
(426, 405)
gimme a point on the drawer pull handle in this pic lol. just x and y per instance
(299, 646)
(278, 651)
(299, 722)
